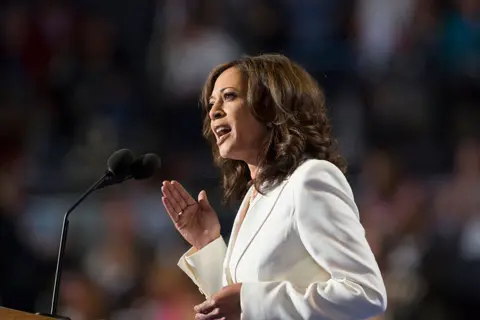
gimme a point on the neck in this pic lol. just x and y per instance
(253, 170)
(252, 163)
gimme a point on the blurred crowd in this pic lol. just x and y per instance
(82, 78)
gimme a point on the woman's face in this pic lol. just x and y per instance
(239, 134)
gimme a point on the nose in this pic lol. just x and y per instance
(216, 113)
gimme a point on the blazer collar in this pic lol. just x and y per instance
(259, 211)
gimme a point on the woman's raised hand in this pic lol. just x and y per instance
(196, 221)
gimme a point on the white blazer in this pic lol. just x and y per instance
(301, 253)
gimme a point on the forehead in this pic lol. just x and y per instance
(231, 77)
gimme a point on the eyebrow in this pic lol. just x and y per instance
(221, 90)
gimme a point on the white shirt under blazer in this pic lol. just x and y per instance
(301, 253)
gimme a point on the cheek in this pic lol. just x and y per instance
(248, 131)
(260, 133)
(254, 134)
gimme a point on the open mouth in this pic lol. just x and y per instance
(222, 133)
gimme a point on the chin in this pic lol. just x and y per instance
(226, 152)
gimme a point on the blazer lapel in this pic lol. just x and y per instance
(231, 239)
(259, 210)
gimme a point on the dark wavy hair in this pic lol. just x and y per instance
(284, 97)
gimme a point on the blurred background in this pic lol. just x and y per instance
(82, 78)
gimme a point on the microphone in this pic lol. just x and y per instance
(118, 166)
(145, 166)
(142, 168)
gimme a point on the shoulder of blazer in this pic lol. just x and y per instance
(323, 172)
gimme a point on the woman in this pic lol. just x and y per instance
(297, 250)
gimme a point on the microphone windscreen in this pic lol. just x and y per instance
(145, 166)
(119, 162)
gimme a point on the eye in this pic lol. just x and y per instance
(228, 96)
(210, 105)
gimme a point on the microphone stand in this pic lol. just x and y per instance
(63, 240)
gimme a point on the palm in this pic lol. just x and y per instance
(196, 221)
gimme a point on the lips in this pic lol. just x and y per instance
(221, 139)
(222, 132)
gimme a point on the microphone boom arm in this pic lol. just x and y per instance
(63, 241)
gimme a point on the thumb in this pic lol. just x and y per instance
(203, 201)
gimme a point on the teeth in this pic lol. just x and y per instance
(221, 129)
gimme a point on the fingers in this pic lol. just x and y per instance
(178, 188)
(170, 210)
(205, 307)
(214, 315)
(203, 200)
(175, 200)
(175, 206)
(176, 196)
(208, 310)
(179, 197)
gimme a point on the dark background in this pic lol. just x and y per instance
(80, 79)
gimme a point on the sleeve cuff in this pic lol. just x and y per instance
(205, 266)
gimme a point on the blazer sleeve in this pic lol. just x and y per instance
(327, 221)
(205, 267)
